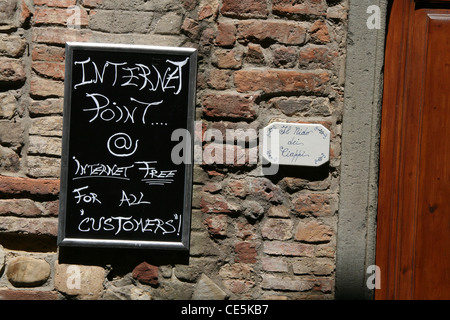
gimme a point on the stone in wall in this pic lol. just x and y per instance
(80, 281)
(146, 273)
(169, 23)
(9, 160)
(27, 271)
(12, 133)
(29, 226)
(13, 14)
(11, 71)
(206, 289)
(8, 105)
(12, 45)
(126, 292)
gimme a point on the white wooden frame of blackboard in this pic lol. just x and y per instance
(62, 240)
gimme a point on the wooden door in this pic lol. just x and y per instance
(413, 224)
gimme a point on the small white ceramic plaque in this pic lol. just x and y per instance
(296, 144)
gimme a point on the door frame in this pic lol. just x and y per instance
(394, 104)
(368, 98)
(397, 184)
(358, 189)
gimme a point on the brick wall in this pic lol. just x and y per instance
(252, 236)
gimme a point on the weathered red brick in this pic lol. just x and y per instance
(207, 11)
(315, 56)
(237, 188)
(226, 34)
(319, 32)
(190, 27)
(54, 70)
(264, 189)
(237, 271)
(212, 186)
(245, 252)
(283, 32)
(229, 154)
(9, 294)
(315, 204)
(282, 248)
(217, 225)
(229, 106)
(307, 7)
(287, 284)
(146, 273)
(245, 8)
(277, 229)
(325, 250)
(216, 204)
(261, 188)
(292, 184)
(41, 87)
(246, 231)
(25, 186)
(43, 52)
(315, 266)
(54, 35)
(239, 286)
(59, 16)
(228, 59)
(55, 3)
(25, 12)
(274, 264)
(313, 231)
(239, 132)
(281, 81)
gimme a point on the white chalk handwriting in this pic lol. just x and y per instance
(105, 110)
(121, 145)
(148, 171)
(121, 224)
(85, 197)
(100, 170)
(138, 75)
(132, 200)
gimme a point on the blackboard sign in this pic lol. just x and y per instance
(128, 119)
